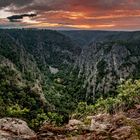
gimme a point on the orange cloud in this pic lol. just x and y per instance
(80, 14)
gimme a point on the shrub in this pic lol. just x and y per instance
(16, 111)
(128, 96)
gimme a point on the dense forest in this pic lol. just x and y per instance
(46, 76)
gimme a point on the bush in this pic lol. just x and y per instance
(38, 121)
(128, 96)
(51, 118)
(16, 111)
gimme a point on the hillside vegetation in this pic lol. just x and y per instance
(46, 76)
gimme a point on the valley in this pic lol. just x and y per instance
(57, 76)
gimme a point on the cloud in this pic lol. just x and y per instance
(18, 18)
(92, 14)
(80, 5)
(17, 3)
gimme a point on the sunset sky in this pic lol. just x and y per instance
(71, 14)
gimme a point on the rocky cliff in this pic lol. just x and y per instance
(108, 60)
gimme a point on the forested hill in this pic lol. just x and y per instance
(44, 74)
(106, 59)
(37, 73)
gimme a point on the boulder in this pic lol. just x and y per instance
(100, 122)
(122, 133)
(74, 122)
(12, 129)
(74, 125)
(98, 126)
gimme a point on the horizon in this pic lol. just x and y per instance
(69, 29)
(108, 15)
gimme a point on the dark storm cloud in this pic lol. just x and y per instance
(76, 5)
(5, 3)
(17, 18)
(46, 5)
(89, 14)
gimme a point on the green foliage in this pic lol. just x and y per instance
(128, 96)
(83, 110)
(3, 112)
(101, 70)
(25, 57)
(65, 90)
(38, 121)
(17, 99)
(51, 118)
(129, 93)
(16, 111)
(54, 118)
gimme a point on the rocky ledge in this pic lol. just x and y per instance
(15, 129)
(120, 126)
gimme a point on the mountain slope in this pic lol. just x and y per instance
(47, 73)
(105, 62)
(84, 37)
(44, 60)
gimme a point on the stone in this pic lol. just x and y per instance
(74, 122)
(74, 125)
(12, 129)
(98, 126)
(122, 133)
(100, 122)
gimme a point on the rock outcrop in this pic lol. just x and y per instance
(15, 129)
(121, 126)
(104, 64)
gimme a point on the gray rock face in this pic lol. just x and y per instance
(105, 63)
(15, 129)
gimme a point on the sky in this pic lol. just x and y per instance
(71, 14)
